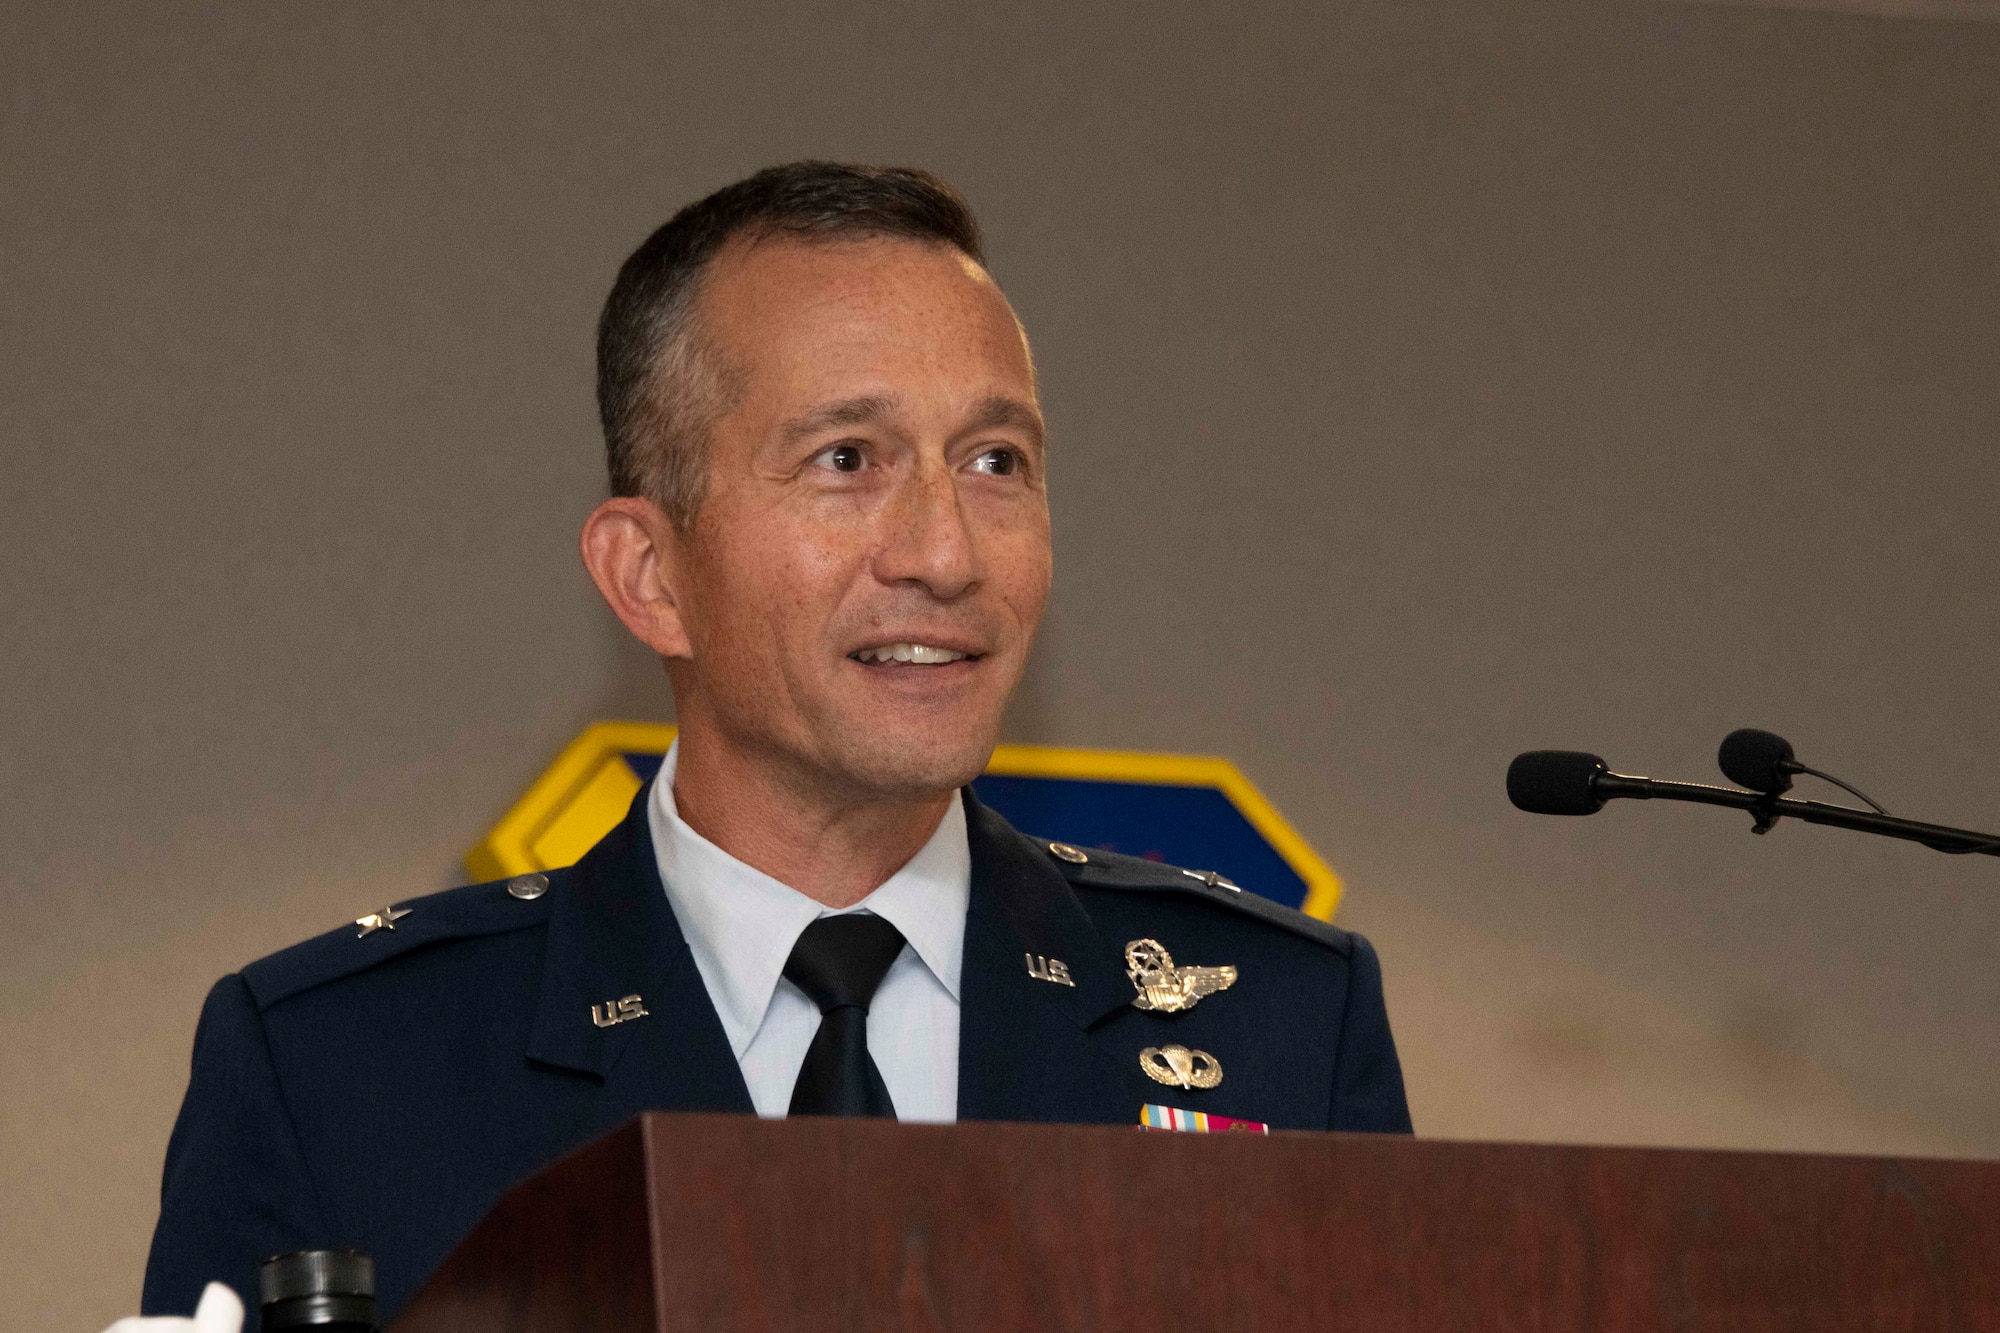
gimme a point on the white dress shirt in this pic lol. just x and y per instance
(741, 925)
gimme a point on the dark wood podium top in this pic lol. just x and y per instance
(724, 1222)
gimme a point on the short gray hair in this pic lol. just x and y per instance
(660, 383)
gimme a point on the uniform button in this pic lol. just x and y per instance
(1062, 851)
(528, 887)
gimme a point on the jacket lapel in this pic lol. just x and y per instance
(1025, 1049)
(612, 934)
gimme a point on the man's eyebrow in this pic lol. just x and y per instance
(846, 412)
(1001, 410)
(998, 410)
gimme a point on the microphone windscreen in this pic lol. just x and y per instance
(1756, 759)
(1555, 782)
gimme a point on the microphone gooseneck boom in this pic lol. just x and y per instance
(1570, 782)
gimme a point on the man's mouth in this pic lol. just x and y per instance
(909, 654)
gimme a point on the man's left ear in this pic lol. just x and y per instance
(633, 554)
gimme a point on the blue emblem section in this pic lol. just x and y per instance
(1195, 827)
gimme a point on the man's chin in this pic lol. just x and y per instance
(908, 765)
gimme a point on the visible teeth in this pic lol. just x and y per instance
(917, 653)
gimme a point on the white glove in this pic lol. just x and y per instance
(219, 1312)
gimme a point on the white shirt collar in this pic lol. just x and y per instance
(741, 924)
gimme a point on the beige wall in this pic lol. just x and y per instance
(1428, 384)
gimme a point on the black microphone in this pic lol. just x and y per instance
(1758, 760)
(1556, 782)
(1571, 782)
(1764, 762)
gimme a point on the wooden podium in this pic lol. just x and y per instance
(726, 1222)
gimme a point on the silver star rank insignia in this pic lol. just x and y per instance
(385, 919)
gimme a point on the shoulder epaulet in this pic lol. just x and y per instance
(1096, 869)
(392, 931)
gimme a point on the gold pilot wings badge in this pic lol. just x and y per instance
(1167, 988)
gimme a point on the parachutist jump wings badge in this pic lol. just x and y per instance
(1167, 988)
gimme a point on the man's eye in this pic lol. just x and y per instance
(999, 462)
(841, 458)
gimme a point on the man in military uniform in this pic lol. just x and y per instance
(831, 524)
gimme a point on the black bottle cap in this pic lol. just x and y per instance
(325, 1290)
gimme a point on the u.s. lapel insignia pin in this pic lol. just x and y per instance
(1167, 988)
(1049, 969)
(385, 919)
(613, 1012)
(1179, 1067)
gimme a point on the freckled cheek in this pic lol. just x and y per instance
(1030, 593)
(1023, 566)
(803, 581)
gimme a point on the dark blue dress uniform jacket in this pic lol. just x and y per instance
(383, 1091)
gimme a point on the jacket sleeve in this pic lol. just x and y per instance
(1367, 1077)
(236, 1189)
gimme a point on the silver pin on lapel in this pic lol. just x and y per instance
(385, 919)
(1213, 880)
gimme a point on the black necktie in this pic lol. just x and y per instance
(838, 962)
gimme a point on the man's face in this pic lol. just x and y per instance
(871, 556)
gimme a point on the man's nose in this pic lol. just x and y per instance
(929, 539)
